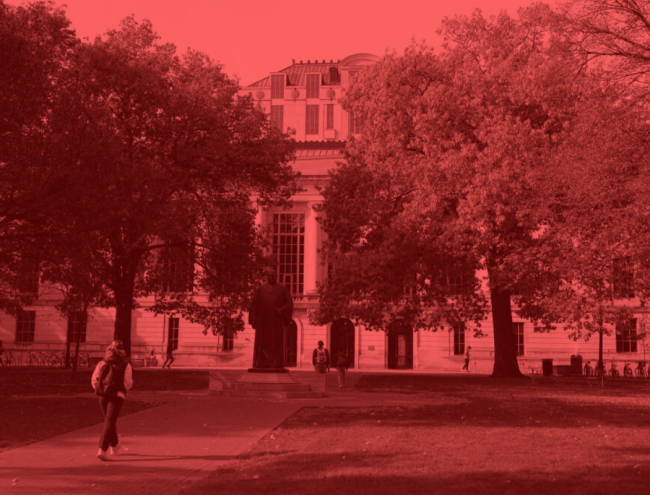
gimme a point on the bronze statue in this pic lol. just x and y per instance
(269, 313)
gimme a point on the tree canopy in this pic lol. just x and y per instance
(156, 160)
(444, 180)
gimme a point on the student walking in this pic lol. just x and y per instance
(321, 360)
(341, 366)
(170, 355)
(466, 367)
(112, 379)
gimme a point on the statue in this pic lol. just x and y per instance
(269, 313)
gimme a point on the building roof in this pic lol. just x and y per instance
(296, 74)
(319, 148)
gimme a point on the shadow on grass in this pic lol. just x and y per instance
(480, 412)
(413, 384)
(24, 381)
(324, 474)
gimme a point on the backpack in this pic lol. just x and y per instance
(321, 357)
(107, 380)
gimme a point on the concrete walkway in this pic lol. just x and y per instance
(169, 446)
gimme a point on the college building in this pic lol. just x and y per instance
(304, 97)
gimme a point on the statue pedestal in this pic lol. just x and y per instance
(267, 384)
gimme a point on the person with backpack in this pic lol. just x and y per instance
(112, 379)
(341, 366)
(321, 358)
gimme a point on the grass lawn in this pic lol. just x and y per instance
(36, 404)
(475, 436)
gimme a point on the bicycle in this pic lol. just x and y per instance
(627, 371)
(640, 370)
(599, 370)
(588, 369)
(613, 372)
(7, 359)
(84, 359)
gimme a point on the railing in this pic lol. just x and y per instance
(50, 359)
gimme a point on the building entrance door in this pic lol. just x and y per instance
(291, 345)
(342, 337)
(400, 348)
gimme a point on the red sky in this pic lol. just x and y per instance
(253, 37)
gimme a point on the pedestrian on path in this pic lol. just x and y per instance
(170, 355)
(466, 367)
(112, 379)
(321, 360)
(341, 366)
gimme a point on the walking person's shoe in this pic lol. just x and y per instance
(115, 450)
(101, 455)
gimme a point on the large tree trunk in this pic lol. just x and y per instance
(123, 314)
(505, 353)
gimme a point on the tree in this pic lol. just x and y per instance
(599, 219)
(610, 41)
(444, 178)
(159, 156)
(35, 47)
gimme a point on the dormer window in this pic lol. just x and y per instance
(277, 86)
(334, 76)
(313, 85)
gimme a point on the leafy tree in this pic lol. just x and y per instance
(610, 40)
(599, 225)
(159, 156)
(444, 179)
(35, 47)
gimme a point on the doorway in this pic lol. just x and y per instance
(342, 337)
(400, 347)
(291, 345)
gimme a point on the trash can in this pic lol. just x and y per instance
(576, 365)
(547, 367)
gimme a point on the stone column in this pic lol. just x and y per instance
(311, 248)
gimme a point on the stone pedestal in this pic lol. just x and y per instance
(262, 385)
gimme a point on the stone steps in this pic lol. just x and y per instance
(268, 394)
(269, 385)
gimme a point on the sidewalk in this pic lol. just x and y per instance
(169, 446)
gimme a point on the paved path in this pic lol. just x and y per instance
(169, 446)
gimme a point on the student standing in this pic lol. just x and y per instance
(341, 366)
(112, 379)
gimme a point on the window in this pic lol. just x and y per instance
(277, 86)
(459, 339)
(289, 250)
(313, 85)
(28, 277)
(173, 333)
(457, 278)
(626, 340)
(177, 270)
(25, 323)
(329, 116)
(311, 126)
(518, 330)
(352, 128)
(77, 323)
(277, 116)
(228, 336)
(334, 76)
(623, 278)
